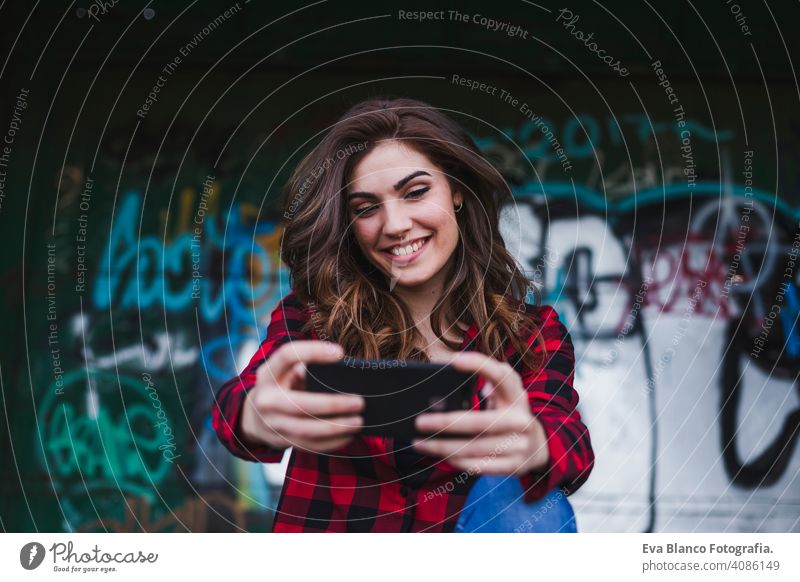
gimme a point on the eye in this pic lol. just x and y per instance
(417, 193)
(364, 210)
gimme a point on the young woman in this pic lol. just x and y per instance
(392, 240)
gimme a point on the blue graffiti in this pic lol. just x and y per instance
(139, 272)
(592, 200)
(142, 272)
(789, 321)
(582, 134)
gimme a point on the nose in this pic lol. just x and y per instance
(397, 219)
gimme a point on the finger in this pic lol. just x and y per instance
(473, 422)
(505, 380)
(487, 446)
(297, 403)
(486, 466)
(279, 364)
(296, 428)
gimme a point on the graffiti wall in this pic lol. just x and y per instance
(682, 299)
(154, 320)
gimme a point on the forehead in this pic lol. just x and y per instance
(388, 162)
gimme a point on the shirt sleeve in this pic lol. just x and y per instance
(554, 402)
(285, 325)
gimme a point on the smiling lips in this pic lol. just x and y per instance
(408, 252)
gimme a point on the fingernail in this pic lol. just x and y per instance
(487, 389)
(335, 349)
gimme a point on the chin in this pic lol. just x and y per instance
(411, 283)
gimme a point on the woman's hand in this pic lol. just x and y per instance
(278, 412)
(506, 439)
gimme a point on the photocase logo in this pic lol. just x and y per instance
(31, 555)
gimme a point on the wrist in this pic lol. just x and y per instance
(538, 459)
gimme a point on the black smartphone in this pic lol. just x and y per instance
(395, 391)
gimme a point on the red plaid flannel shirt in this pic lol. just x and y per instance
(377, 484)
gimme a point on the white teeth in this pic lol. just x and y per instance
(403, 251)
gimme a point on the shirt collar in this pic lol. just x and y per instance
(469, 337)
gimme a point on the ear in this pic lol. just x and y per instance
(458, 199)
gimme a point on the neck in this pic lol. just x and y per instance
(420, 303)
(421, 300)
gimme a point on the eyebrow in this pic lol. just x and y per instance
(396, 187)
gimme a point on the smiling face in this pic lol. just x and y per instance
(401, 209)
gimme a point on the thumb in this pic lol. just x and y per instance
(506, 389)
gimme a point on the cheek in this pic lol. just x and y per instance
(446, 227)
(365, 233)
(434, 216)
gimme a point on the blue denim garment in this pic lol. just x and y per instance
(495, 504)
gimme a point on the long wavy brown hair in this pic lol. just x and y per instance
(349, 298)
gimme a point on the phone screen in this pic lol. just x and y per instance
(395, 391)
